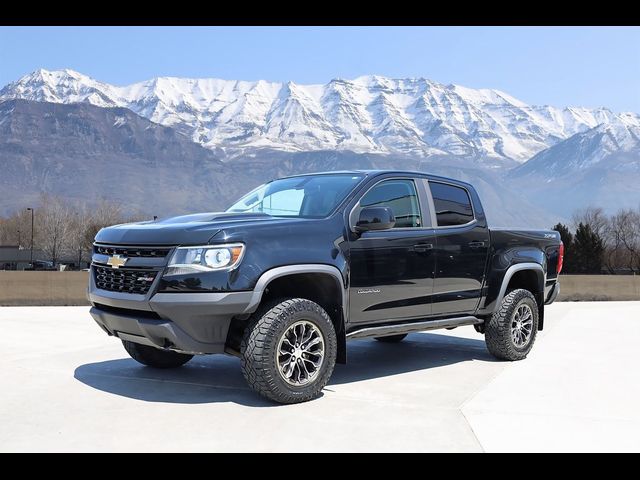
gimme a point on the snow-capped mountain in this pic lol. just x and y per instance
(547, 161)
(597, 147)
(85, 153)
(600, 166)
(413, 117)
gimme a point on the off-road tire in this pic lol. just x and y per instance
(392, 338)
(498, 330)
(260, 343)
(154, 357)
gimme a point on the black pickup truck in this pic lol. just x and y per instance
(298, 266)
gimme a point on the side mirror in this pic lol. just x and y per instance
(375, 218)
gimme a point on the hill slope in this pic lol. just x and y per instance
(85, 153)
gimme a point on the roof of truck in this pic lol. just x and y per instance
(375, 173)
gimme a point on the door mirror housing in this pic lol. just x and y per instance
(375, 218)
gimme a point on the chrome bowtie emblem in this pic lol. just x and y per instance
(116, 261)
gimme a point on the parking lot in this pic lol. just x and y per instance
(66, 386)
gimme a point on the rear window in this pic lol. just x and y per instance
(452, 204)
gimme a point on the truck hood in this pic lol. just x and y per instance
(198, 228)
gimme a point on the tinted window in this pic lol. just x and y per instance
(400, 196)
(304, 196)
(452, 204)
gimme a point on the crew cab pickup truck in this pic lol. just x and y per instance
(298, 266)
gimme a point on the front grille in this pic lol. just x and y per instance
(125, 280)
(149, 252)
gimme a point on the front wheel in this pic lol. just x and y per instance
(154, 357)
(289, 350)
(512, 329)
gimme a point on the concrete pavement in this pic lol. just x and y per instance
(68, 387)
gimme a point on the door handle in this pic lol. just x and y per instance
(476, 244)
(423, 247)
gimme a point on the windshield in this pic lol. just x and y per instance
(306, 196)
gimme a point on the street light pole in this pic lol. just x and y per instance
(31, 255)
(19, 239)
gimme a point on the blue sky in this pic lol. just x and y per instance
(589, 66)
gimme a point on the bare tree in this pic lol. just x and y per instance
(16, 229)
(614, 253)
(624, 238)
(79, 220)
(54, 221)
(595, 217)
(64, 229)
(103, 215)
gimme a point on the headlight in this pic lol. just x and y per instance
(205, 259)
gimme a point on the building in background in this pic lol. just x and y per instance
(13, 257)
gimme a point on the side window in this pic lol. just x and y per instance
(452, 204)
(400, 196)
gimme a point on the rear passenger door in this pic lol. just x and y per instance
(461, 249)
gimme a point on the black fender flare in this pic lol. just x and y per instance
(286, 270)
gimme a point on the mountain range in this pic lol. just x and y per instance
(533, 164)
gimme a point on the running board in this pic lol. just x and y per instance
(400, 328)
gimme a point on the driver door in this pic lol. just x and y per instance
(392, 271)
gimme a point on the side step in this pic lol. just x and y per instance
(399, 328)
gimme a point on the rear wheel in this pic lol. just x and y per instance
(511, 331)
(392, 338)
(154, 357)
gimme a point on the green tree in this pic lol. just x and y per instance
(567, 238)
(588, 250)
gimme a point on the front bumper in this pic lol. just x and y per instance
(185, 322)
